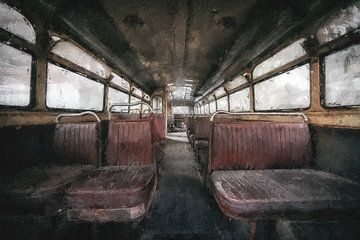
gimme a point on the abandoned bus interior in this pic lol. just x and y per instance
(180, 119)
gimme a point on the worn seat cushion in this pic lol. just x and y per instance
(115, 193)
(263, 193)
(39, 190)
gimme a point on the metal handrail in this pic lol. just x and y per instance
(57, 120)
(260, 113)
(127, 105)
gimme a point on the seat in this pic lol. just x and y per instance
(115, 193)
(261, 170)
(265, 193)
(122, 191)
(40, 190)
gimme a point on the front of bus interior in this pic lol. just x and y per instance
(180, 119)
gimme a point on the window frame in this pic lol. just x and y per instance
(51, 109)
(284, 70)
(335, 46)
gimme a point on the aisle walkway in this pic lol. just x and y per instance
(182, 208)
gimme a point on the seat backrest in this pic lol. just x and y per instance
(78, 143)
(259, 145)
(202, 128)
(129, 142)
(158, 126)
(190, 124)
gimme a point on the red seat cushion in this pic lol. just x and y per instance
(112, 194)
(39, 190)
(261, 193)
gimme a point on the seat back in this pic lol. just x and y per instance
(78, 143)
(129, 142)
(202, 128)
(158, 126)
(259, 145)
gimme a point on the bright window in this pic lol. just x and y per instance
(135, 108)
(287, 55)
(68, 90)
(343, 22)
(15, 23)
(240, 101)
(116, 96)
(222, 104)
(75, 54)
(206, 109)
(212, 106)
(180, 110)
(289, 90)
(157, 104)
(15, 76)
(342, 77)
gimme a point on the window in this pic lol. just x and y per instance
(137, 92)
(240, 101)
(212, 106)
(287, 55)
(236, 82)
(15, 23)
(135, 108)
(289, 90)
(222, 104)
(116, 96)
(180, 110)
(157, 104)
(75, 54)
(68, 90)
(119, 81)
(345, 21)
(206, 109)
(342, 77)
(15, 76)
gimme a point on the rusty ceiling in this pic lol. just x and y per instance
(159, 42)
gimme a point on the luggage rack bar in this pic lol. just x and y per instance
(57, 120)
(259, 113)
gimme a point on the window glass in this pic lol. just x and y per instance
(343, 22)
(212, 106)
(15, 76)
(222, 104)
(288, 54)
(236, 82)
(68, 90)
(75, 54)
(116, 96)
(15, 23)
(119, 81)
(342, 77)
(137, 92)
(180, 110)
(289, 90)
(157, 104)
(240, 101)
(135, 108)
(206, 109)
(220, 92)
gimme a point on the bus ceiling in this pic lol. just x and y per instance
(188, 46)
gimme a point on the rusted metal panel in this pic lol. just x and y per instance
(259, 145)
(129, 143)
(78, 143)
(264, 193)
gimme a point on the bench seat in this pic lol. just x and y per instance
(39, 190)
(114, 193)
(264, 193)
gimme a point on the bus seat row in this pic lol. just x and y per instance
(261, 169)
(85, 180)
